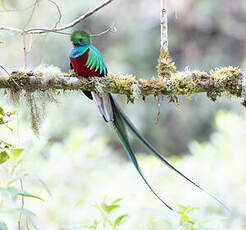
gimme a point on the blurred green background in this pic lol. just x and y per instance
(80, 158)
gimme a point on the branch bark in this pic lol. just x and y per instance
(226, 80)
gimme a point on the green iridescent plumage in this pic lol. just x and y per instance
(95, 60)
(80, 36)
(82, 42)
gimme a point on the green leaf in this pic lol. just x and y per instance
(3, 157)
(13, 192)
(45, 186)
(1, 121)
(91, 227)
(6, 145)
(12, 113)
(3, 226)
(181, 209)
(110, 208)
(32, 218)
(1, 109)
(7, 126)
(191, 209)
(202, 223)
(18, 177)
(119, 220)
(22, 193)
(107, 220)
(185, 218)
(96, 223)
(117, 201)
(15, 153)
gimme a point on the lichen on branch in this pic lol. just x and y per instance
(165, 66)
(229, 80)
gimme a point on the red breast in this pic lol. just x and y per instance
(80, 68)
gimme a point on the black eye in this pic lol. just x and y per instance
(80, 40)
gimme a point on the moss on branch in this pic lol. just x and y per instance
(229, 80)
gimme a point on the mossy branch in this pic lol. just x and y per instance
(228, 80)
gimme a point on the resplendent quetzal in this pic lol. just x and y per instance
(87, 61)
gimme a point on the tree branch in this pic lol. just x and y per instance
(111, 28)
(78, 20)
(59, 12)
(55, 29)
(32, 13)
(11, 29)
(58, 29)
(226, 80)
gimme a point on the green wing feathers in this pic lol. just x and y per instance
(95, 61)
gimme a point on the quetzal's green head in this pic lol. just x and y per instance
(80, 38)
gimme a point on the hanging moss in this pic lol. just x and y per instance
(35, 113)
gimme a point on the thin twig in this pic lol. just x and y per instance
(164, 25)
(27, 225)
(17, 10)
(158, 98)
(71, 24)
(57, 29)
(11, 29)
(4, 70)
(24, 48)
(32, 13)
(49, 31)
(59, 12)
(111, 28)
(83, 17)
(18, 128)
(4, 142)
(30, 44)
(20, 31)
(22, 205)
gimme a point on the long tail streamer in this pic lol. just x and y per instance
(119, 127)
(121, 120)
